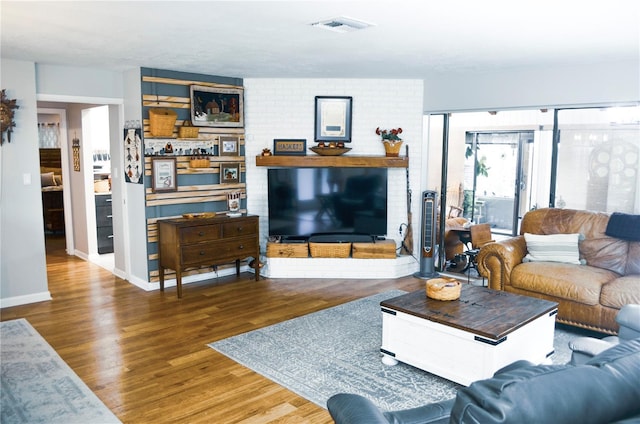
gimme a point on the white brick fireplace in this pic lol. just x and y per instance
(284, 108)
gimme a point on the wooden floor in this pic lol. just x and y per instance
(145, 354)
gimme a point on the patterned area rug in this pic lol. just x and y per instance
(38, 386)
(338, 350)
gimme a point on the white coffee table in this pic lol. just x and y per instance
(468, 339)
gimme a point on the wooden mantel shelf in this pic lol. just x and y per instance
(332, 161)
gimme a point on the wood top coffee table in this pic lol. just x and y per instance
(467, 339)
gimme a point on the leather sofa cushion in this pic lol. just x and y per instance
(633, 260)
(578, 283)
(621, 291)
(598, 249)
(603, 390)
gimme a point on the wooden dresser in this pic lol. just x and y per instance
(186, 243)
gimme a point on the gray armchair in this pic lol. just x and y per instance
(603, 390)
(585, 348)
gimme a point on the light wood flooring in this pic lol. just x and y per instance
(145, 354)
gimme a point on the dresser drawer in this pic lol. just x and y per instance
(103, 200)
(199, 233)
(240, 228)
(103, 216)
(218, 251)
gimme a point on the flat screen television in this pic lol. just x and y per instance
(315, 201)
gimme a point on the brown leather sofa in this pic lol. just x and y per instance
(589, 295)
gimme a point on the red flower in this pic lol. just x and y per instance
(390, 135)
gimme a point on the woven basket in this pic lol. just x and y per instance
(101, 186)
(443, 288)
(287, 250)
(199, 163)
(330, 250)
(187, 130)
(162, 122)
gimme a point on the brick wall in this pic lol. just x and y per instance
(284, 108)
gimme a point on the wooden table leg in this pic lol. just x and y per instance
(256, 265)
(179, 283)
(161, 275)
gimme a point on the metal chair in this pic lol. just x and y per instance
(480, 235)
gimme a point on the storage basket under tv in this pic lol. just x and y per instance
(330, 250)
(287, 250)
(162, 122)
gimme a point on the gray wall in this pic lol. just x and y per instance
(23, 273)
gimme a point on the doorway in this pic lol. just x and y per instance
(91, 127)
(496, 177)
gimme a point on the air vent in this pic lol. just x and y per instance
(341, 24)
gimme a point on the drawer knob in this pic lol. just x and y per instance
(241, 247)
(201, 233)
(202, 253)
(240, 229)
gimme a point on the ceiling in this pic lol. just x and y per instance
(409, 39)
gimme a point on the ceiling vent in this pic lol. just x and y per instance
(341, 24)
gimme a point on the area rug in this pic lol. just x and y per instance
(38, 386)
(338, 350)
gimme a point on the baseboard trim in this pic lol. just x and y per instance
(24, 300)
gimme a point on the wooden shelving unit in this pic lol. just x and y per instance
(332, 161)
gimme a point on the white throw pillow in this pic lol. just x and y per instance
(553, 248)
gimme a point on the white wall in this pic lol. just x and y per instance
(23, 273)
(134, 230)
(592, 84)
(284, 108)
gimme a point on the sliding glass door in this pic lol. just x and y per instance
(496, 172)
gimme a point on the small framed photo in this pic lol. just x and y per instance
(290, 146)
(229, 146)
(229, 173)
(217, 107)
(163, 174)
(333, 119)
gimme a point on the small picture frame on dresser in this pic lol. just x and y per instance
(163, 174)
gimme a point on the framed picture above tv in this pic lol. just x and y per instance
(333, 119)
(217, 107)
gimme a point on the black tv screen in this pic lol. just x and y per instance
(308, 201)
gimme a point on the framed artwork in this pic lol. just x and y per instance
(133, 155)
(290, 147)
(163, 174)
(229, 173)
(217, 107)
(333, 119)
(229, 146)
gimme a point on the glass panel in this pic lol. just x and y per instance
(492, 172)
(598, 160)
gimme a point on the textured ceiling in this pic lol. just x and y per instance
(409, 39)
